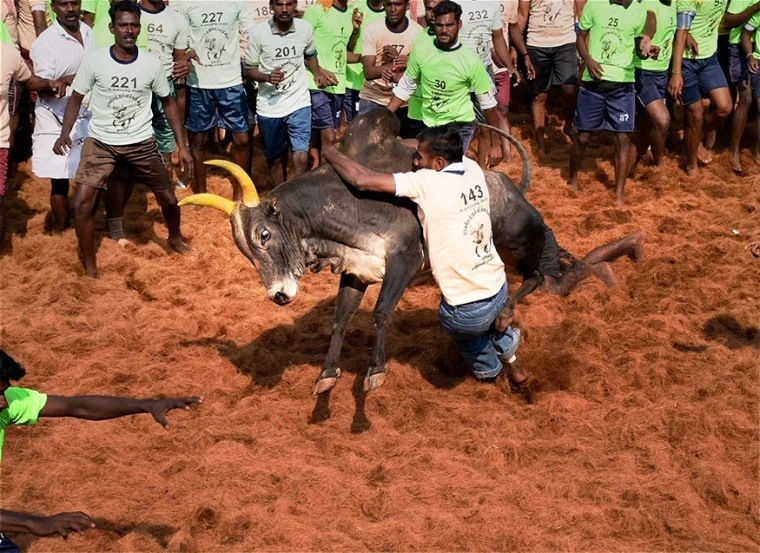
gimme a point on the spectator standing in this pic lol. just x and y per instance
(751, 34)
(215, 92)
(279, 50)
(57, 54)
(372, 10)
(386, 45)
(550, 26)
(610, 37)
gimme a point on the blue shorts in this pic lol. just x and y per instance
(466, 132)
(351, 104)
(471, 326)
(223, 107)
(325, 109)
(611, 110)
(277, 132)
(737, 64)
(651, 86)
(700, 77)
(754, 83)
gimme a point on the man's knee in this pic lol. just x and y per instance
(240, 140)
(540, 99)
(198, 142)
(695, 114)
(166, 198)
(582, 139)
(84, 201)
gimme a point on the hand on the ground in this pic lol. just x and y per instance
(61, 524)
(62, 145)
(159, 407)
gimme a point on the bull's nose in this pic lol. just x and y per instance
(280, 298)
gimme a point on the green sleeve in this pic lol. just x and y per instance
(89, 6)
(587, 17)
(481, 82)
(686, 6)
(413, 66)
(754, 21)
(313, 14)
(24, 405)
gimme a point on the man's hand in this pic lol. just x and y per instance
(325, 78)
(516, 78)
(594, 69)
(752, 64)
(62, 145)
(691, 46)
(159, 407)
(357, 18)
(494, 156)
(181, 69)
(388, 75)
(645, 45)
(399, 64)
(277, 76)
(529, 68)
(58, 88)
(675, 86)
(654, 52)
(61, 524)
(185, 160)
(389, 54)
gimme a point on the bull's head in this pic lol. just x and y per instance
(260, 234)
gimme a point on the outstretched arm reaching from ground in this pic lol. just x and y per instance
(98, 408)
(61, 524)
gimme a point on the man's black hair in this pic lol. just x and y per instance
(446, 7)
(443, 141)
(123, 6)
(9, 368)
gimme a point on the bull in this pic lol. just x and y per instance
(316, 221)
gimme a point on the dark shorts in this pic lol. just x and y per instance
(141, 161)
(226, 108)
(754, 83)
(325, 109)
(700, 77)
(503, 83)
(737, 64)
(605, 110)
(554, 67)
(293, 129)
(651, 86)
(350, 104)
(7, 546)
(466, 132)
(4, 153)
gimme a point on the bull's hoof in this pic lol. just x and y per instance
(326, 384)
(374, 381)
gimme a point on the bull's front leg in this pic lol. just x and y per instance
(398, 274)
(349, 298)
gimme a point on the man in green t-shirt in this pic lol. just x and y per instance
(738, 14)
(612, 33)
(750, 34)
(22, 406)
(652, 86)
(446, 72)
(696, 74)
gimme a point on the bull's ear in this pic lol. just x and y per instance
(273, 208)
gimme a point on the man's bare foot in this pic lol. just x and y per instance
(637, 251)
(692, 170)
(736, 163)
(179, 246)
(126, 244)
(704, 155)
(572, 183)
(620, 199)
(540, 146)
(603, 272)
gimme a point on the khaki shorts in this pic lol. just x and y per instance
(141, 161)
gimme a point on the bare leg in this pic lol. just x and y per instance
(595, 263)
(198, 143)
(694, 115)
(659, 117)
(59, 203)
(484, 146)
(576, 157)
(538, 111)
(326, 136)
(502, 113)
(278, 168)
(119, 190)
(622, 156)
(569, 98)
(170, 210)
(720, 109)
(167, 157)
(85, 202)
(744, 102)
(300, 162)
(756, 154)
(241, 154)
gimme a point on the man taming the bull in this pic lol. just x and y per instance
(454, 209)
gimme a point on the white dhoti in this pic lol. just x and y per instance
(47, 164)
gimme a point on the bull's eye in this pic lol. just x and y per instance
(265, 235)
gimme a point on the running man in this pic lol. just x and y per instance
(696, 74)
(57, 54)
(122, 79)
(611, 34)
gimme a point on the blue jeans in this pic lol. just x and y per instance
(471, 326)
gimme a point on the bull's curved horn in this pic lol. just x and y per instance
(250, 196)
(210, 200)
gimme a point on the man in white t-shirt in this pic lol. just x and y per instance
(57, 54)
(215, 93)
(279, 50)
(122, 79)
(386, 45)
(454, 208)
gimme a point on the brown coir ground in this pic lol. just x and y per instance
(643, 437)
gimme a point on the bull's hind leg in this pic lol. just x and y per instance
(398, 273)
(349, 298)
(596, 263)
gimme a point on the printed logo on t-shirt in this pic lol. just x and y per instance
(478, 228)
(123, 105)
(610, 43)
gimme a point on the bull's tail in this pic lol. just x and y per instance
(524, 185)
